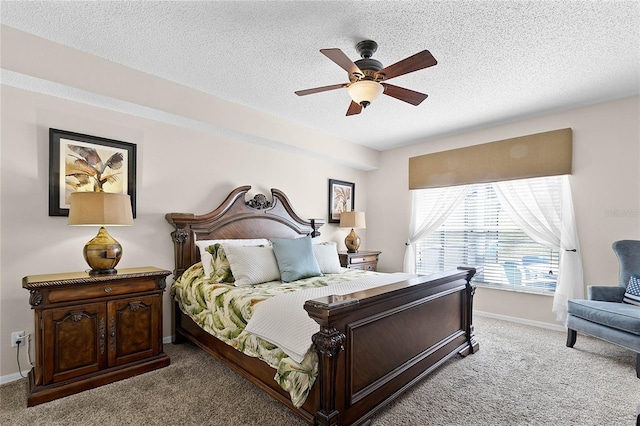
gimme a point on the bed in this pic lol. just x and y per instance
(372, 345)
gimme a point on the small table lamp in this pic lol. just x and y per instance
(101, 209)
(352, 220)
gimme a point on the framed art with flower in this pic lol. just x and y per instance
(80, 162)
(341, 198)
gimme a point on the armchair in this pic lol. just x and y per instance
(603, 314)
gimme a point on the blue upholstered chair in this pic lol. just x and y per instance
(604, 315)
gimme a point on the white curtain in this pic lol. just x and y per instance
(425, 222)
(547, 218)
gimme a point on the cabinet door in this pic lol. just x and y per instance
(134, 329)
(74, 341)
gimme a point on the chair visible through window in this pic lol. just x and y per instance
(512, 270)
(538, 272)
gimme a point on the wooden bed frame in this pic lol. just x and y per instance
(372, 345)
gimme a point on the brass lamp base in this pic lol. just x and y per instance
(102, 253)
(352, 241)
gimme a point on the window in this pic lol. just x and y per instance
(480, 233)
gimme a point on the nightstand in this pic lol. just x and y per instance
(91, 330)
(367, 260)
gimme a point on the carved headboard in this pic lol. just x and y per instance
(237, 218)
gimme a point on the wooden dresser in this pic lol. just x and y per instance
(367, 260)
(91, 330)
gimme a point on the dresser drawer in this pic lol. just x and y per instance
(363, 266)
(364, 258)
(100, 290)
(352, 266)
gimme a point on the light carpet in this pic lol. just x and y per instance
(522, 375)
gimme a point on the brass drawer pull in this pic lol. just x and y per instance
(107, 289)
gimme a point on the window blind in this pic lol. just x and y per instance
(480, 233)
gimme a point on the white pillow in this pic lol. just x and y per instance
(327, 257)
(252, 264)
(205, 256)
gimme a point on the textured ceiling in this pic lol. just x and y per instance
(497, 61)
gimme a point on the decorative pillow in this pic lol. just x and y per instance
(327, 257)
(220, 268)
(632, 295)
(206, 258)
(252, 264)
(295, 258)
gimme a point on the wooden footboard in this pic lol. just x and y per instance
(372, 345)
(375, 344)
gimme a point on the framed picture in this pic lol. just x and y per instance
(341, 199)
(88, 163)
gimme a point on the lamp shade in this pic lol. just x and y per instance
(364, 92)
(100, 208)
(352, 220)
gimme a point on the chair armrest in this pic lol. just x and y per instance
(605, 293)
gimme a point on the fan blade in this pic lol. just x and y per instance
(409, 96)
(413, 63)
(320, 89)
(337, 56)
(354, 109)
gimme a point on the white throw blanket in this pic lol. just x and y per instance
(283, 321)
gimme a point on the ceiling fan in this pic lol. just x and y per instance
(367, 77)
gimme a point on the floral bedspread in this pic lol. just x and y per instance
(223, 310)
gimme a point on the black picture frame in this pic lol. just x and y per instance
(79, 169)
(341, 198)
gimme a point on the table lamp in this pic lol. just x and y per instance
(102, 209)
(352, 220)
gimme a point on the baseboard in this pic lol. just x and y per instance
(541, 324)
(13, 377)
(167, 339)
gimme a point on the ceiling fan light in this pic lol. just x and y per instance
(364, 92)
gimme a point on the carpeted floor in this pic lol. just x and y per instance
(522, 375)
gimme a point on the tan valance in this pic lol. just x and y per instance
(542, 154)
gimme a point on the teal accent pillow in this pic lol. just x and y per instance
(295, 258)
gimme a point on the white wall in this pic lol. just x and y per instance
(605, 184)
(179, 170)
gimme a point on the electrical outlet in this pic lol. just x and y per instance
(18, 336)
